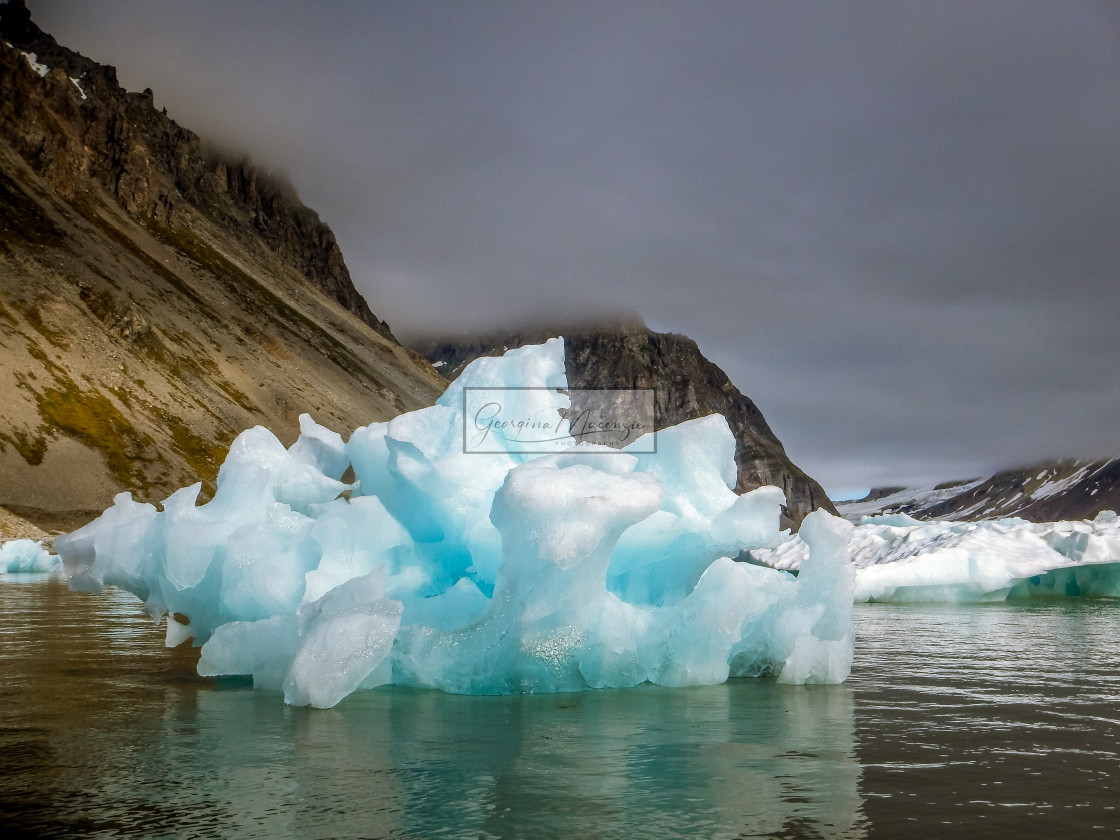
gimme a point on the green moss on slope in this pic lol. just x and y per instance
(93, 419)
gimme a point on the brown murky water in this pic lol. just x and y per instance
(978, 721)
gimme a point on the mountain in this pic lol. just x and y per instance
(686, 385)
(158, 296)
(1054, 490)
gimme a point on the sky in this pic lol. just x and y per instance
(895, 225)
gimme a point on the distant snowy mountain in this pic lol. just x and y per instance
(1055, 490)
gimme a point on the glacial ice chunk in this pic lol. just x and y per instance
(463, 560)
(26, 557)
(263, 649)
(661, 558)
(344, 637)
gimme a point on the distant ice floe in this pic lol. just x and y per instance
(566, 568)
(898, 558)
(26, 557)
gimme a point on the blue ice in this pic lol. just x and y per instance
(561, 569)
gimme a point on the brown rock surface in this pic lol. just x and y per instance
(156, 300)
(77, 128)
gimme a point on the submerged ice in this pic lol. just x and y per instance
(898, 558)
(564, 568)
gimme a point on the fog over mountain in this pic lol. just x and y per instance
(892, 225)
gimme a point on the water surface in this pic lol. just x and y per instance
(989, 720)
(958, 721)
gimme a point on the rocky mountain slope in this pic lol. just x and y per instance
(157, 297)
(1067, 489)
(686, 386)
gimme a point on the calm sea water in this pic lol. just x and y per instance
(980, 721)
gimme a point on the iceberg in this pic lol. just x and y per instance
(553, 567)
(26, 557)
(898, 558)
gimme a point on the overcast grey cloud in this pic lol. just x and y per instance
(895, 225)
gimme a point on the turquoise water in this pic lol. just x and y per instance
(958, 721)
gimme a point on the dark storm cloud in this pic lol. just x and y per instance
(893, 224)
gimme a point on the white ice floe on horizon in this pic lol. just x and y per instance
(898, 558)
(507, 572)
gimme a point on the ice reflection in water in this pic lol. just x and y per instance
(103, 732)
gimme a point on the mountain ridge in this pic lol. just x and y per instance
(156, 300)
(153, 166)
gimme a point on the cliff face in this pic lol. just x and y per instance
(76, 127)
(156, 300)
(686, 385)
